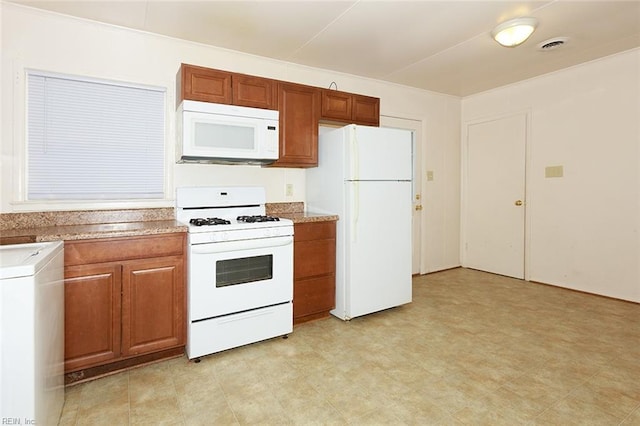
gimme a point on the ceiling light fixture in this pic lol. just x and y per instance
(514, 31)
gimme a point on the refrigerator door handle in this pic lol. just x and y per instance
(355, 173)
(354, 154)
(355, 212)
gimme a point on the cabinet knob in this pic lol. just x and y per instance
(518, 202)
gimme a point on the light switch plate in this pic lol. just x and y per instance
(430, 175)
(553, 171)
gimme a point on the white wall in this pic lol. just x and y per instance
(583, 226)
(52, 42)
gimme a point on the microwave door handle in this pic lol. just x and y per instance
(226, 246)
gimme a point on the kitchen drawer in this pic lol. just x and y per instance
(312, 258)
(314, 231)
(230, 331)
(314, 295)
(81, 252)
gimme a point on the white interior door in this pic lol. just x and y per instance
(494, 191)
(417, 217)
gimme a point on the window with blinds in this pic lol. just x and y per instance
(93, 140)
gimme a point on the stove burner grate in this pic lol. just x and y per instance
(257, 218)
(209, 221)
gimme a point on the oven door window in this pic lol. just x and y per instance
(244, 270)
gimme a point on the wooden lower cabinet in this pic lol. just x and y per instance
(91, 314)
(314, 266)
(129, 303)
(153, 316)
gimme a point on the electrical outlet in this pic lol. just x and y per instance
(289, 190)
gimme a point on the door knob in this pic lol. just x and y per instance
(518, 203)
(418, 207)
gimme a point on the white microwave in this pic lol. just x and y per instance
(226, 134)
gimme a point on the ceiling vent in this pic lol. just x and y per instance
(552, 43)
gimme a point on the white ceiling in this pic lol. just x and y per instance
(443, 46)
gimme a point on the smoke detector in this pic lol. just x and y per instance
(553, 43)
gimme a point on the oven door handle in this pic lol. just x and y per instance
(227, 246)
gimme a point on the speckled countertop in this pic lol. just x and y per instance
(296, 212)
(18, 228)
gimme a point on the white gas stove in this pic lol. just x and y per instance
(240, 268)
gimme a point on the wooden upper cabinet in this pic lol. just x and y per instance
(223, 87)
(299, 107)
(350, 108)
(336, 105)
(366, 110)
(254, 92)
(204, 84)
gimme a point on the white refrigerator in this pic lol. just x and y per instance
(364, 176)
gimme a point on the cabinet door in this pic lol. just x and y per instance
(350, 108)
(366, 110)
(91, 315)
(254, 92)
(299, 108)
(205, 84)
(153, 305)
(336, 105)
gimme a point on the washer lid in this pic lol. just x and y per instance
(21, 260)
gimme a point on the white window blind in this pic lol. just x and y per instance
(93, 140)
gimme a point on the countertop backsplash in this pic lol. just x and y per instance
(18, 228)
(296, 212)
(274, 209)
(85, 217)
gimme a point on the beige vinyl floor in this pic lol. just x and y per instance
(472, 349)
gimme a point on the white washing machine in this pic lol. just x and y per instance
(32, 332)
